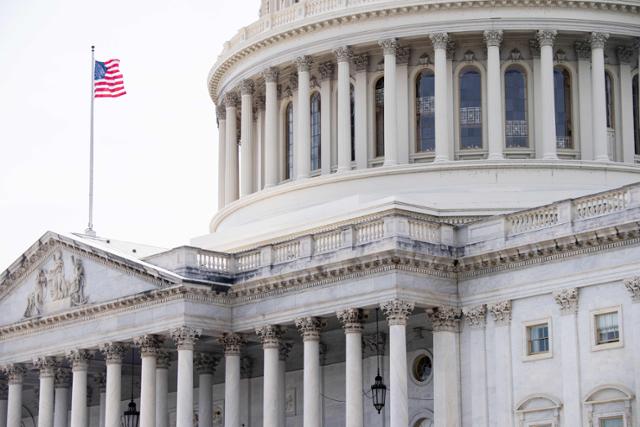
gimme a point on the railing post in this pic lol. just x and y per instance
(565, 212)
(266, 256)
(348, 237)
(306, 246)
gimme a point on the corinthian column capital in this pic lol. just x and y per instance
(231, 100)
(493, 37)
(598, 40)
(186, 337)
(388, 46)
(476, 317)
(397, 311)
(113, 352)
(270, 75)
(205, 363)
(14, 373)
(546, 37)
(633, 286)
(247, 87)
(501, 312)
(270, 335)
(567, 299)
(232, 343)
(303, 63)
(46, 366)
(444, 318)
(149, 344)
(343, 54)
(79, 358)
(439, 40)
(309, 327)
(351, 320)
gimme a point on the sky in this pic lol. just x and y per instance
(155, 148)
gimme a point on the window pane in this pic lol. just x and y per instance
(379, 98)
(288, 155)
(353, 124)
(538, 339)
(636, 131)
(515, 103)
(562, 94)
(607, 325)
(470, 109)
(425, 112)
(315, 131)
(608, 84)
(612, 422)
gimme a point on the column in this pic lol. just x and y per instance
(61, 410)
(221, 114)
(185, 339)
(4, 389)
(397, 312)
(598, 98)
(232, 344)
(283, 354)
(402, 94)
(309, 328)
(625, 54)
(475, 320)
(502, 358)
(302, 143)
(583, 52)
(79, 360)
(361, 64)
(270, 337)
(343, 56)
(443, 149)
(548, 119)
(149, 348)
(14, 374)
(205, 367)
(567, 299)
(446, 366)
(163, 362)
(231, 168)
(246, 137)
(270, 76)
(351, 320)
(389, 47)
(495, 122)
(451, 52)
(538, 102)
(633, 286)
(101, 385)
(258, 142)
(46, 366)
(113, 353)
(326, 122)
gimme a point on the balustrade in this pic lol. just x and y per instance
(369, 232)
(533, 219)
(328, 241)
(601, 204)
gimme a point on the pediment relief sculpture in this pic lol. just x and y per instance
(54, 291)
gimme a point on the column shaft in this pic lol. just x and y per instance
(282, 390)
(113, 394)
(14, 405)
(148, 391)
(184, 407)
(246, 144)
(546, 38)
(495, 128)
(231, 168)
(360, 114)
(599, 103)
(326, 126)
(271, 132)
(443, 149)
(344, 113)
(205, 398)
(271, 392)
(502, 359)
(162, 390)
(538, 105)
(61, 411)
(302, 143)
(46, 402)
(390, 103)
(478, 377)
(232, 390)
(402, 87)
(570, 356)
(103, 402)
(398, 397)
(626, 113)
(222, 159)
(311, 394)
(79, 410)
(584, 108)
(353, 365)
(446, 378)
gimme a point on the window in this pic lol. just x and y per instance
(538, 339)
(379, 100)
(470, 109)
(288, 144)
(607, 328)
(422, 368)
(608, 85)
(562, 95)
(636, 112)
(425, 112)
(612, 422)
(353, 122)
(515, 105)
(315, 131)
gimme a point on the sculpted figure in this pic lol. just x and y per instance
(76, 286)
(36, 298)
(56, 278)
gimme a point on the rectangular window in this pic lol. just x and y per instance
(607, 330)
(538, 336)
(612, 422)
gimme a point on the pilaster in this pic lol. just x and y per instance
(476, 320)
(501, 312)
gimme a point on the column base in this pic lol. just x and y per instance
(495, 156)
(603, 159)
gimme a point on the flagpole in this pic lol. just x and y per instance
(89, 231)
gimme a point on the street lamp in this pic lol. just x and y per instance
(378, 389)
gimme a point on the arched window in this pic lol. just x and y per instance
(315, 131)
(562, 95)
(608, 85)
(353, 122)
(425, 112)
(470, 109)
(379, 99)
(288, 143)
(636, 111)
(516, 127)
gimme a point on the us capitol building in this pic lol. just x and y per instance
(438, 197)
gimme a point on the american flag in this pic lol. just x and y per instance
(107, 79)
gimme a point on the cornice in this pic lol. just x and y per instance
(357, 14)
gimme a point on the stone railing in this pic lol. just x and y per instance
(327, 242)
(213, 262)
(533, 219)
(286, 252)
(248, 261)
(369, 232)
(601, 204)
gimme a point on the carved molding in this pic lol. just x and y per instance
(534, 48)
(567, 299)
(232, 343)
(361, 62)
(247, 87)
(149, 344)
(444, 318)
(303, 63)
(186, 337)
(231, 100)
(388, 46)
(397, 311)
(14, 372)
(326, 70)
(546, 37)
(270, 335)
(598, 40)
(439, 40)
(79, 359)
(46, 366)
(493, 37)
(113, 352)
(402, 55)
(309, 328)
(205, 363)
(343, 54)
(351, 320)
(632, 285)
(583, 49)
(271, 74)
(475, 317)
(501, 312)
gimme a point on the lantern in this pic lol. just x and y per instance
(378, 389)
(131, 417)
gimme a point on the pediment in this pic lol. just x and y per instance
(61, 274)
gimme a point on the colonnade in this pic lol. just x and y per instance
(55, 381)
(263, 169)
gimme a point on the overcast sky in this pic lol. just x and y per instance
(156, 147)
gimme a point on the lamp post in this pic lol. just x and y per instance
(378, 389)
